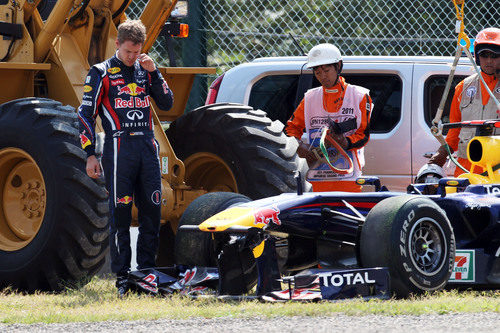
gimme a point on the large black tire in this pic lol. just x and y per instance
(261, 158)
(72, 240)
(412, 236)
(195, 248)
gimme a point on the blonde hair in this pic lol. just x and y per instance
(132, 30)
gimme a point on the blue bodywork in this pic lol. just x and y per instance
(324, 228)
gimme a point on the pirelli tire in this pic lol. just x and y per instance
(253, 150)
(195, 248)
(412, 236)
(53, 217)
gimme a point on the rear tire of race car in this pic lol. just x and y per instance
(413, 238)
(195, 248)
(53, 217)
(230, 147)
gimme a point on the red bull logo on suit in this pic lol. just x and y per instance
(131, 89)
(84, 141)
(133, 102)
(125, 200)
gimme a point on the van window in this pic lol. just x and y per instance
(386, 94)
(276, 95)
(433, 92)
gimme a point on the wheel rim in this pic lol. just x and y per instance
(23, 199)
(210, 172)
(428, 246)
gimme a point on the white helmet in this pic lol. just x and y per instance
(323, 54)
(429, 173)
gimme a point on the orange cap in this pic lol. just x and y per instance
(487, 39)
(488, 36)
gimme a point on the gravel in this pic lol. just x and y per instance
(459, 322)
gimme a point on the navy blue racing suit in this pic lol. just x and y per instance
(119, 95)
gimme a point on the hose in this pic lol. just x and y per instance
(450, 154)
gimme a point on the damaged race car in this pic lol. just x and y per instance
(332, 245)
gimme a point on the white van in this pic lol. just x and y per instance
(406, 92)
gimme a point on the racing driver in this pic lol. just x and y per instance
(118, 90)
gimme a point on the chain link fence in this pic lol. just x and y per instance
(230, 32)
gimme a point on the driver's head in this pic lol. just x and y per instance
(129, 41)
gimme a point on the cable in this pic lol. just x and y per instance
(454, 160)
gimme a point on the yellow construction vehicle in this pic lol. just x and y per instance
(53, 218)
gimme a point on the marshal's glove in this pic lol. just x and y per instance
(341, 140)
(304, 152)
(335, 132)
(440, 156)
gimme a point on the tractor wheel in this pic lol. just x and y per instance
(194, 248)
(53, 217)
(412, 236)
(233, 148)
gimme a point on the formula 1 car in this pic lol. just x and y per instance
(347, 244)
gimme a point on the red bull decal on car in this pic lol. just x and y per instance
(267, 215)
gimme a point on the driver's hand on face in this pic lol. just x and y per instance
(146, 62)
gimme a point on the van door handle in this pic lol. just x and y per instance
(428, 154)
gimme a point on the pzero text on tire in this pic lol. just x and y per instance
(53, 217)
(412, 236)
(234, 148)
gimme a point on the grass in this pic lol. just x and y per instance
(97, 301)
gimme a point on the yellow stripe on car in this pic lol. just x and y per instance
(236, 216)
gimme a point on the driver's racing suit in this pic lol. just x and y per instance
(120, 96)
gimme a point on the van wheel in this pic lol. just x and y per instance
(195, 248)
(412, 236)
(234, 148)
(53, 217)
